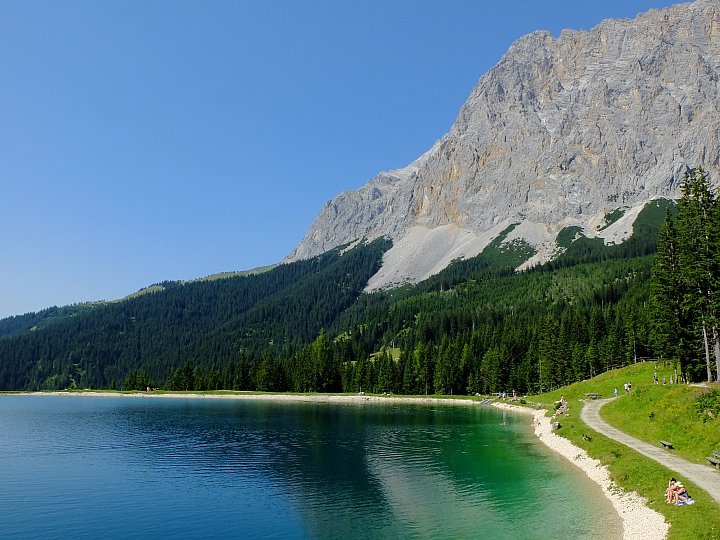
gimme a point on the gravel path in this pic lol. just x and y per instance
(703, 476)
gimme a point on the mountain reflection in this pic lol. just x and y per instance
(292, 469)
(390, 470)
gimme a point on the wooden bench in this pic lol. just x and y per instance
(715, 462)
(593, 395)
(667, 445)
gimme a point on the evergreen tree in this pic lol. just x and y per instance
(669, 325)
(547, 353)
(172, 382)
(187, 378)
(699, 261)
(491, 370)
(131, 382)
(241, 380)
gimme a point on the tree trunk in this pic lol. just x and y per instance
(716, 347)
(707, 353)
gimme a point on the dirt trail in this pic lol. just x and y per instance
(703, 476)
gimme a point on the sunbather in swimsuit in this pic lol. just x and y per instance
(670, 491)
(679, 490)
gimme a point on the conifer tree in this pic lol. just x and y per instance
(241, 381)
(697, 230)
(669, 327)
(131, 381)
(547, 353)
(187, 379)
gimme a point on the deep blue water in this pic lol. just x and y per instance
(113, 467)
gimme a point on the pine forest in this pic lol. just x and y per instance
(476, 327)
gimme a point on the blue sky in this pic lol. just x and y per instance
(144, 141)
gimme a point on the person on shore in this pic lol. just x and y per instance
(670, 491)
(615, 392)
(678, 492)
(625, 386)
(655, 378)
(684, 498)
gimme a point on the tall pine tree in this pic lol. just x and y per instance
(699, 261)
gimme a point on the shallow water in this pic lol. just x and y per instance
(89, 467)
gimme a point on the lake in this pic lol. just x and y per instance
(120, 467)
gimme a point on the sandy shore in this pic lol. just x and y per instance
(639, 521)
(322, 398)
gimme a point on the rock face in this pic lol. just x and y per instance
(560, 132)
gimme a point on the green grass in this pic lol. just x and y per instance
(567, 236)
(394, 353)
(512, 253)
(612, 217)
(674, 420)
(146, 290)
(661, 412)
(223, 275)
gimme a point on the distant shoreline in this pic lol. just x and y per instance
(639, 521)
(318, 398)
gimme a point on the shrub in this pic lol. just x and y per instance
(708, 402)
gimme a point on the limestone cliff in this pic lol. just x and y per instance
(560, 132)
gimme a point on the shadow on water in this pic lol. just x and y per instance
(189, 467)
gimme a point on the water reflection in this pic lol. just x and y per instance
(253, 468)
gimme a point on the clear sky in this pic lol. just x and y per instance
(142, 141)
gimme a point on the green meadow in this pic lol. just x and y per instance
(650, 413)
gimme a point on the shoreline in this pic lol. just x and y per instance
(317, 398)
(639, 521)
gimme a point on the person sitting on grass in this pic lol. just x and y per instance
(670, 491)
(684, 498)
(679, 491)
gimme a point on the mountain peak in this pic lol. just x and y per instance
(559, 133)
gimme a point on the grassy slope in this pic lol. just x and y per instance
(674, 420)
(223, 275)
(665, 412)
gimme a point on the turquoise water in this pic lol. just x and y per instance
(85, 467)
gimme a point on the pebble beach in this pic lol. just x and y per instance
(639, 521)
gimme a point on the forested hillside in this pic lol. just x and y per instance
(208, 321)
(306, 326)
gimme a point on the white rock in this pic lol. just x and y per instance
(561, 131)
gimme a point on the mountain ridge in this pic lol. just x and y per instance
(560, 133)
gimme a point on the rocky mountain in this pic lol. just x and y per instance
(560, 133)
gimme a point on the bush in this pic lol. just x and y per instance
(708, 405)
